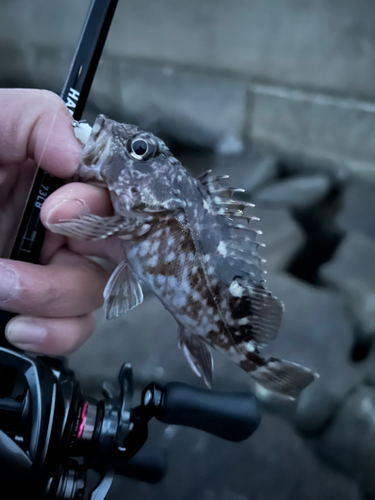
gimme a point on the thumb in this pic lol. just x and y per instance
(36, 124)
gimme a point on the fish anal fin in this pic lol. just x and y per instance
(93, 227)
(123, 291)
(198, 355)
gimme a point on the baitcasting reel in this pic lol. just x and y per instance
(52, 437)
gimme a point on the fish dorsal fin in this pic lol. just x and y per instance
(240, 245)
(253, 315)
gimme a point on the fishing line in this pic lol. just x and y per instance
(49, 134)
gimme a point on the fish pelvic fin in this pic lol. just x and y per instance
(198, 355)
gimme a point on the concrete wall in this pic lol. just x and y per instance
(296, 75)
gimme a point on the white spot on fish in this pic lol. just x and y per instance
(170, 241)
(145, 246)
(155, 246)
(182, 258)
(243, 321)
(171, 256)
(172, 281)
(144, 229)
(211, 270)
(250, 346)
(160, 279)
(206, 258)
(179, 300)
(153, 261)
(222, 249)
(185, 285)
(236, 289)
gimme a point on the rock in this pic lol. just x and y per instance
(192, 108)
(321, 127)
(146, 337)
(316, 333)
(358, 210)
(249, 170)
(282, 236)
(274, 463)
(348, 442)
(352, 271)
(296, 192)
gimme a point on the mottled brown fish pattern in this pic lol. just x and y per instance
(193, 244)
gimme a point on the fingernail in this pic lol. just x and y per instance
(9, 283)
(25, 331)
(67, 209)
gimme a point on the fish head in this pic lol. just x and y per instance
(136, 166)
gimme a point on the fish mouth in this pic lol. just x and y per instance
(97, 152)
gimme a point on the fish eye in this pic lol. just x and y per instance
(139, 148)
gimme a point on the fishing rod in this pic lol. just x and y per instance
(30, 236)
(55, 442)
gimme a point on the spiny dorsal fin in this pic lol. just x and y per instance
(240, 237)
(256, 313)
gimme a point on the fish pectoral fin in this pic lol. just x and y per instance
(94, 227)
(123, 291)
(198, 355)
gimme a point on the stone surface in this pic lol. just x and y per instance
(193, 108)
(357, 214)
(349, 441)
(274, 463)
(295, 192)
(282, 236)
(320, 44)
(290, 46)
(249, 170)
(316, 333)
(317, 126)
(352, 271)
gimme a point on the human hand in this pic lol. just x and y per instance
(55, 300)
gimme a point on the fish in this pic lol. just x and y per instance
(193, 243)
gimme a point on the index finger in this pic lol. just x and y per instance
(36, 124)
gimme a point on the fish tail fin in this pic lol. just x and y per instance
(284, 378)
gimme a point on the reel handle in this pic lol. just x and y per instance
(231, 416)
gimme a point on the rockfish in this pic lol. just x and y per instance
(193, 244)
